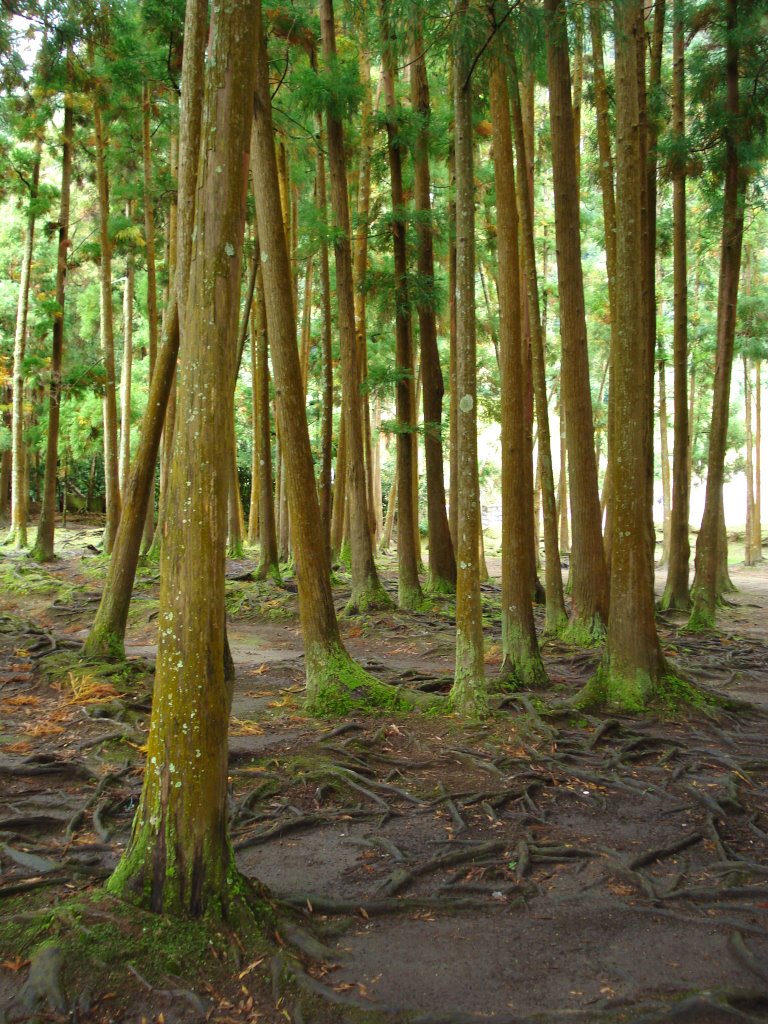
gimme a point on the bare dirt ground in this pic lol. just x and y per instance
(545, 866)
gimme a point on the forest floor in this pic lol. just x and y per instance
(545, 866)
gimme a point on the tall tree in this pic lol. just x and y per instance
(468, 693)
(521, 659)
(588, 575)
(367, 591)
(179, 859)
(442, 561)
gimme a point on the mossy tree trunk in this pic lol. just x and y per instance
(179, 859)
(442, 561)
(468, 693)
(588, 572)
(677, 589)
(408, 585)
(553, 580)
(367, 591)
(521, 660)
(107, 635)
(633, 667)
(710, 551)
(19, 500)
(43, 549)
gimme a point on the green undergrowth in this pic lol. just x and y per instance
(99, 936)
(251, 599)
(73, 666)
(579, 633)
(26, 578)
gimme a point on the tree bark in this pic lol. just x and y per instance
(152, 313)
(588, 572)
(269, 563)
(666, 486)
(521, 660)
(756, 524)
(127, 367)
(750, 555)
(633, 666)
(325, 484)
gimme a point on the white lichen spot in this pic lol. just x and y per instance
(229, 249)
(467, 403)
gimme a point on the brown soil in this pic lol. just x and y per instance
(545, 866)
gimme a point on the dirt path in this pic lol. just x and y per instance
(547, 866)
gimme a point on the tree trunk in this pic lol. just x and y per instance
(111, 467)
(633, 666)
(43, 549)
(553, 580)
(127, 367)
(408, 586)
(152, 314)
(442, 562)
(521, 660)
(588, 572)
(335, 683)
(269, 563)
(367, 591)
(756, 524)
(19, 503)
(666, 487)
(107, 634)
(707, 585)
(562, 487)
(179, 859)
(750, 555)
(453, 409)
(325, 485)
(256, 466)
(677, 591)
(468, 693)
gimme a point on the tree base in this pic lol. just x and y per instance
(372, 598)
(410, 599)
(583, 632)
(337, 686)
(611, 690)
(672, 601)
(103, 642)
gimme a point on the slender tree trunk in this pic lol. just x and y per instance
(367, 591)
(111, 467)
(706, 589)
(43, 549)
(256, 464)
(334, 682)
(750, 555)
(588, 572)
(127, 367)
(553, 580)
(453, 408)
(269, 563)
(521, 660)
(666, 486)
(179, 859)
(562, 487)
(756, 524)
(676, 591)
(326, 485)
(152, 312)
(408, 585)
(442, 562)
(633, 667)
(107, 634)
(468, 693)
(19, 504)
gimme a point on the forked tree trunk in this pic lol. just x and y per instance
(442, 562)
(43, 549)
(709, 578)
(677, 591)
(179, 859)
(553, 580)
(588, 573)
(106, 321)
(367, 591)
(521, 660)
(107, 635)
(633, 666)
(408, 586)
(19, 503)
(468, 693)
